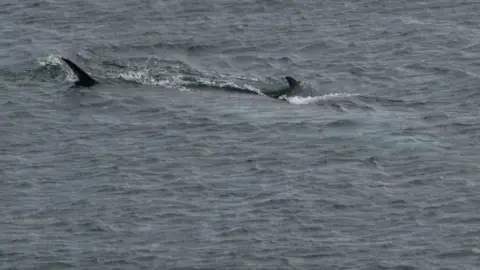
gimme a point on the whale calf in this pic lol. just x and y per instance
(85, 80)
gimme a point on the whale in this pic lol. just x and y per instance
(293, 86)
(85, 80)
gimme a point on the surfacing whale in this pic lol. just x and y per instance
(85, 80)
(292, 86)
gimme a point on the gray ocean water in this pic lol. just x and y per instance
(169, 163)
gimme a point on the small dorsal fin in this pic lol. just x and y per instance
(83, 78)
(292, 83)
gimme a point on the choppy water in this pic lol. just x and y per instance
(167, 165)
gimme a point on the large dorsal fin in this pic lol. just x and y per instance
(83, 78)
(292, 83)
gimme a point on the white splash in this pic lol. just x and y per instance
(144, 77)
(54, 60)
(229, 83)
(253, 89)
(50, 60)
(309, 100)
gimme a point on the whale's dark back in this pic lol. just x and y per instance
(83, 78)
(292, 85)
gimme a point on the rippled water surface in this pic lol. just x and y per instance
(177, 159)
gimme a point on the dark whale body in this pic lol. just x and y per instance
(292, 86)
(85, 80)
